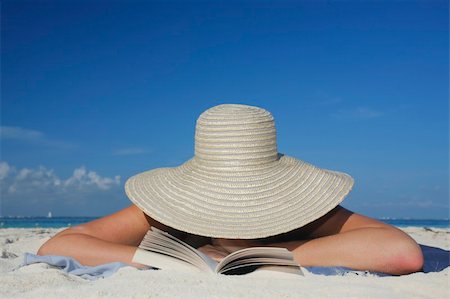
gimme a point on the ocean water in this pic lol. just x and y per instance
(44, 222)
(58, 222)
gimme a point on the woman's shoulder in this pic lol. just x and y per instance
(329, 224)
(336, 221)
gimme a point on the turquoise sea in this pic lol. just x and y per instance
(57, 222)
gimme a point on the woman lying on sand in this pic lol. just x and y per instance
(236, 192)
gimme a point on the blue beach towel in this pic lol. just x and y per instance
(72, 266)
(435, 260)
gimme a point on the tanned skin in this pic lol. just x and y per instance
(339, 238)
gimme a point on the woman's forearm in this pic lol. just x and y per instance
(375, 249)
(88, 250)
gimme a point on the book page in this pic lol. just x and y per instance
(282, 269)
(162, 250)
(161, 261)
(257, 256)
(203, 258)
(160, 242)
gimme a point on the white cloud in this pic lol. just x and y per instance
(30, 136)
(130, 151)
(36, 191)
(34, 181)
(357, 113)
(81, 177)
(4, 170)
(20, 134)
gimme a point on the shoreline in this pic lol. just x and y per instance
(65, 221)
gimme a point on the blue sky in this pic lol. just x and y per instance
(94, 92)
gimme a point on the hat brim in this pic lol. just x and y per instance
(284, 196)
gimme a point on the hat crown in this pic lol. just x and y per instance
(234, 136)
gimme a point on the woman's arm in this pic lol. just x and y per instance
(344, 238)
(109, 239)
(372, 248)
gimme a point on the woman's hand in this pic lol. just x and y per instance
(217, 253)
(220, 248)
(232, 245)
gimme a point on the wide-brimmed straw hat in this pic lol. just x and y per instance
(237, 185)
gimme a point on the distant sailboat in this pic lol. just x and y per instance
(49, 215)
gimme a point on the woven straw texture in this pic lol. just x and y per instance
(237, 185)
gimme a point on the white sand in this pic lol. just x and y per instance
(42, 281)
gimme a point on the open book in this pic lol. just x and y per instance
(161, 250)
